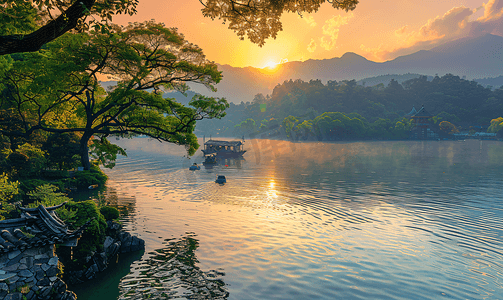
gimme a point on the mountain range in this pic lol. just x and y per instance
(470, 58)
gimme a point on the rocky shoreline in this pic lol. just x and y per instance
(117, 241)
(30, 268)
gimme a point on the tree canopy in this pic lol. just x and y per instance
(57, 89)
(450, 98)
(260, 19)
(26, 26)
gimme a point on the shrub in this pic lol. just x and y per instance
(109, 212)
(8, 190)
(93, 237)
(47, 196)
(31, 184)
(83, 179)
(54, 174)
(27, 160)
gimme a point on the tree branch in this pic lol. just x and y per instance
(34, 41)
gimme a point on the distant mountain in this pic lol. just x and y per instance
(494, 82)
(479, 57)
(385, 79)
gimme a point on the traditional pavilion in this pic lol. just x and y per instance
(422, 129)
(28, 263)
(41, 226)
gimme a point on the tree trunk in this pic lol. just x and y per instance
(84, 152)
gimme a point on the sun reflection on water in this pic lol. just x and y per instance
(374, 220)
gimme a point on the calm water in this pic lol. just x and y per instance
(363, 220)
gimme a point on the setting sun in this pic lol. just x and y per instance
(271, 64)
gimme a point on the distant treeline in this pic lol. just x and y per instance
(363, 111)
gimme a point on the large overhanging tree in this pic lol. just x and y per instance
(57, 89)
(27, 25)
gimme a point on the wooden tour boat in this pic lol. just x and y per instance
(224, 148)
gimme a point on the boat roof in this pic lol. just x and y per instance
(223, 143)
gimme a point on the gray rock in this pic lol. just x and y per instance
(44, 292)
(11, 268)
(53, 271)
(41, 261)
(113, 249)
(53, 278)
(3, 259)
(90, 273)
(3, 286)
(53, 261)
(6, 276)
(68, 295)
(41, 256)
(36, 268)
(30, 280)
(39, 275)
(14, 296)
(100, 260)
(44, 282)
(25, 273)
(45, 267)
(29, 261)
(31, 295)
(22, 267)
(13, 254)
(14, 261)
(31, 252)
(59, 286)
(111, 225)
(108, 242)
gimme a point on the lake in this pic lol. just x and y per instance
(355, 220)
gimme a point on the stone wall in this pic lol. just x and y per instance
(117, 241)
(32, 273)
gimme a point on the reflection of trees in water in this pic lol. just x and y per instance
(171, 272)
(231, 163)
(126, 203)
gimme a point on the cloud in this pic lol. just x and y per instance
(331, 30)
(492, 10)
(402, 31)
(310, 21)
(312, 46)
(454, 24)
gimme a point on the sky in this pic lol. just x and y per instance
(378, 30)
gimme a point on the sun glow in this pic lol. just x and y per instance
(271, 64)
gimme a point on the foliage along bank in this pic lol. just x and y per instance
(380, 108)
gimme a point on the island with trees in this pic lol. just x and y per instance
(345, 110)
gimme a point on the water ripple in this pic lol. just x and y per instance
(395, 220)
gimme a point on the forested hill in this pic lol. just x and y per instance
(450, 98)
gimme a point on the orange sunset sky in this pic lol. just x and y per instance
(378, 30)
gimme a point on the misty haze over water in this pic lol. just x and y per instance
(360, 220)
